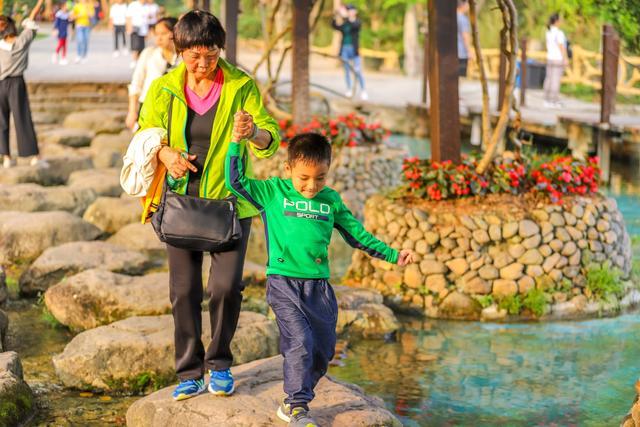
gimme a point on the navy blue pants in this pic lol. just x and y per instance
(306, 312)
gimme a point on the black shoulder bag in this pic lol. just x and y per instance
(195, 223)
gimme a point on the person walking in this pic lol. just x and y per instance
(464, 37)
(347, 22)
(61, 26)
(118, 23)
(557, 59)
(81, 15)
(155, 61)
(14, 99)
(137, 27)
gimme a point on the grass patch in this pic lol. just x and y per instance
(589, 94)
(512, 303)
(484, 300)
(535, 301)
(604, 281)
(143, 383)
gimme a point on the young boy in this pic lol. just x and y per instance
(61, 25)
(299, 215)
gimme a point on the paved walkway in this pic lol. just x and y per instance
(384, 88)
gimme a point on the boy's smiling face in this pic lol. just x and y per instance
(308, 178)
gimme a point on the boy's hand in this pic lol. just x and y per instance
(406, 257)
(243, 126)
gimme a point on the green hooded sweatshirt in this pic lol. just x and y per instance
(239, 92)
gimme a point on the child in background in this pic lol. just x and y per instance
(299, 215)
(61, 26)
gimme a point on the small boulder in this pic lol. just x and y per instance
(68, 137)
(35, 198)
(139, 237)
(110, 214)
(361, 312)
(107, 150)
(16, 398)
(104, 182)
(460, 306)
(97, 121)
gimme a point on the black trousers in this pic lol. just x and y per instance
(306, 313)
(14, 100)
(225, 291)
(119, 32)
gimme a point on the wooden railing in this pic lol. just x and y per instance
(584, 68)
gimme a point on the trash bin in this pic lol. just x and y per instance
(536, 72)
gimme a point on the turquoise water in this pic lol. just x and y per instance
(443, 373)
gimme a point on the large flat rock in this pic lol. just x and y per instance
(139, 237)
(67, 137)
(25, 235)
(60, 167)
(36, 198)
(98, 121)
(99, 297)
(16, 398)
(70, 258)
(110, 214)
(105, 182)
(113, 357)
(258, 393)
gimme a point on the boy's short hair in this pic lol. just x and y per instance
(310, 148)
(198, 28)
(7, 27)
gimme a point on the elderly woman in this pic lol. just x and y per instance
(196, 103)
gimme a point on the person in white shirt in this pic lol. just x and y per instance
(154, 62)
(557, 59)
(153, 13)
(137, 27)
(118, 22)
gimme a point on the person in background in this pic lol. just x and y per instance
(118, 22)
(81, 14)
(14, 99)
(347, 22)
(557, 59)
(61, 27)
(154, 61)
(153, 13)
(137, 27)
(464, 37)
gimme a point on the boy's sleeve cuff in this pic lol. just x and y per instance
(393, 256)
(234, 148)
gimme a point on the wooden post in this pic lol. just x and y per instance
(610, 56)
(425, 69)
(231, 11)
(300, 61)
(502, 73)
(443, 81)
(523, 71)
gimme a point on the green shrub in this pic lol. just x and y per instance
(535, 301)
(603, 281)
(513, 304)
(484, 300)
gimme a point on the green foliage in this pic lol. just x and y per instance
(535, 301)
(604, 281)
(141, 383)
(589, 94)
(513, 304)
(484, 300)
(50, 319)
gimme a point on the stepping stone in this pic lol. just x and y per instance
(255, 401)
(105, 182)
(362, 312)
(99, 297)
(110, 214)
(68, 259)
(25, 235)
(16, 398)
(98, 121)
(34, 198)
(107, 150)
(115, 356)
(68, 137)
(139, 237)
(56, 174)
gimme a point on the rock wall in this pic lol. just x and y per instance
(356, 172)
(474, 254)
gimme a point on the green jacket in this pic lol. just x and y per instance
(239, 91)
(298, 230)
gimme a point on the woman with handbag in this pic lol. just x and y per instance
(195, 103)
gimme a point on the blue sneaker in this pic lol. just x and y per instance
(189, 388)
(221, 383)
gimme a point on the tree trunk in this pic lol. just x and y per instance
(412, 52)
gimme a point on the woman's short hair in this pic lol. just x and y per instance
(169, 22)
(7, 27)
(198, 28)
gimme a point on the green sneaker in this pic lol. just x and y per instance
(283, 411)
(300, 418)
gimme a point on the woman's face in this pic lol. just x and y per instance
(164, 37)
(201, 61)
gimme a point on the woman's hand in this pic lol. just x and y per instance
(132, 119)
(243, 126)
(177, 163)
(406, 257)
